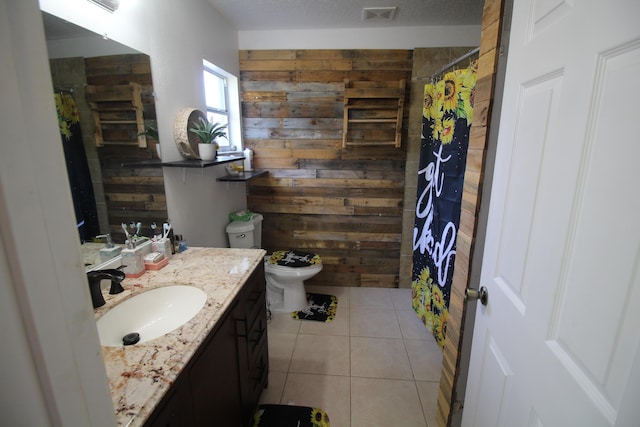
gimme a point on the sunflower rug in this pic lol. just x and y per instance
(322, 308)
(290, 416)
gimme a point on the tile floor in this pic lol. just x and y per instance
(374, 365)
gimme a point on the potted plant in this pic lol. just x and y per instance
(208, 132)
(152, 132)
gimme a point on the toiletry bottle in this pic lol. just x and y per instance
(172, 241)
(248, 159)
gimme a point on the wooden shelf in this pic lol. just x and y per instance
(373, 113)
(117, 112)
(372, 120)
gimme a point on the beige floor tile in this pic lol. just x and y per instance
(370, 297)
(428, 392)
(280, 350)
(401, 298)
(283, 323)
(374, 322)
(338, 326)
(341, 292)
(330, 393)
(380, 358)
(375, 365)
(321, 354)
(273, 393)
(384, 403)
(425, 358)
(412, 327)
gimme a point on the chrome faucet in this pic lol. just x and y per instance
(108, 239)
(116, 276)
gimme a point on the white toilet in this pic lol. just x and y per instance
(285, 271)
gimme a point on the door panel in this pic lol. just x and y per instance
(536, 114)
(496, 375)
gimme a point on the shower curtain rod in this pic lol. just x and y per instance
(452, 63)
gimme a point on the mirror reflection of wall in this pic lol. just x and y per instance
(127, 180)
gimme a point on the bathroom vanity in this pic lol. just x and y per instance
(212, 369)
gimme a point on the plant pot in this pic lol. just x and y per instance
(154, 146)
(207, 152)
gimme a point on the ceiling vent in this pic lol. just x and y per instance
(110, 5)
(378, 13)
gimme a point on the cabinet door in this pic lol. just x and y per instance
(175, 410)
(252, 344)
(214, 378)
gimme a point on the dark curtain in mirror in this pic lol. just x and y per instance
(84, 201)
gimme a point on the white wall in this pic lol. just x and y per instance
(198, 205)
(362, 38)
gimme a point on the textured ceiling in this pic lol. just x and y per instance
(315, 14)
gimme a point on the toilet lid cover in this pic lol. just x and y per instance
(294, 258)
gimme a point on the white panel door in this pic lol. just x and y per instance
(558, 341)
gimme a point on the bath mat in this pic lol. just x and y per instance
(322, 308)
(290, 416)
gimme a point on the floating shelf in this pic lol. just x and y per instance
(243, 177)
(202, 164)
(220, 160)
(152, 163)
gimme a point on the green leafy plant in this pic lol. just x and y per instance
(150, 131)
(208, 131)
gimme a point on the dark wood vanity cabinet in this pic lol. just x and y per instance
(175, 408)
(222, 383)
(253, 354)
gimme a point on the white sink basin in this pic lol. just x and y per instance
(151, 314)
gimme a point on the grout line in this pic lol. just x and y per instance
(347, 312)
(284, 385)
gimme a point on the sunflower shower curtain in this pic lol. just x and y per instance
(446, 123)
(84, 201)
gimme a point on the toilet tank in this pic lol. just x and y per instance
(245, 234)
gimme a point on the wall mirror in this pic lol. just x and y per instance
(113, 179)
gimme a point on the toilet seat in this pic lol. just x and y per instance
(292, 271)
(293, 259)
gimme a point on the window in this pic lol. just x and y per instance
(223, 103)
(215, 88)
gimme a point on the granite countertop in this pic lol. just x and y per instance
(139, 375)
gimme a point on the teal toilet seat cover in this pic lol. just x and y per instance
(294, 259)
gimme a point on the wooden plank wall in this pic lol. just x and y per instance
(344, 204)
(131, 193)
(474, 174)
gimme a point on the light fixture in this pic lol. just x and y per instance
(110, 5)
(378, 13)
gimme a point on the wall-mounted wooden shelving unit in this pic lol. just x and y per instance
(373, 112)
(117, 112)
